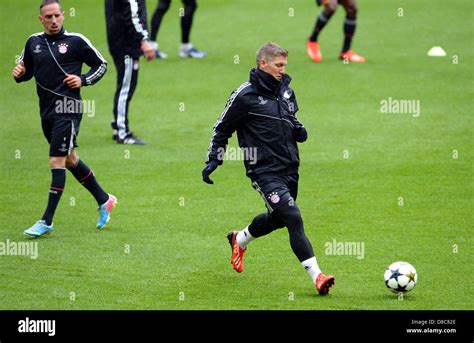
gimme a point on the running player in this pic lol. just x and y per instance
(262, 111)
(55, 58)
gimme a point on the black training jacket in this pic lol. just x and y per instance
(126, 26)
(262, 111)
(49, 58)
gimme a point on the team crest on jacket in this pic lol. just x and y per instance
(262, 101)
(62, 48)
(274, 197)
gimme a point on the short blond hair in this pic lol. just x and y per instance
(269, 51)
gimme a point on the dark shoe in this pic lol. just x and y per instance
(131, 140)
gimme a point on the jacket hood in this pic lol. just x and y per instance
(266, 83)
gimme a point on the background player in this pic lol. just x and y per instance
(127, 37)
(350, 23)
(186, 49)
(55, 59)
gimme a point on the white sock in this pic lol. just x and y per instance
(311, 266)
(186, 46)
(244, 237)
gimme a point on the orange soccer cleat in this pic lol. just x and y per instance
(313, 51)
(351, 56)
(237, 259)
(323, 283)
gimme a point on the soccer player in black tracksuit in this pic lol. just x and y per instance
(128, 39)
(262, 111)
(55, 59)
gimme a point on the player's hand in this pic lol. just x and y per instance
(300, 134)
(73, 81)
(148, 50)
(211, 166)
(19, 70)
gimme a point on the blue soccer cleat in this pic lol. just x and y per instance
(104, 211)
(40, 228)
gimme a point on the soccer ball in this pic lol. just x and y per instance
(400, 277)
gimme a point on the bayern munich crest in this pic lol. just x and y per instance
(274, 197)
(62, 48)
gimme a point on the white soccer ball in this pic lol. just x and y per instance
(400, 277)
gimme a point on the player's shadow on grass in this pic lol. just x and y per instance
(35, 239)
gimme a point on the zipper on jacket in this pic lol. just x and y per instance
(283, 130)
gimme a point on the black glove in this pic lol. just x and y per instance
(300, 134)
(211, 166)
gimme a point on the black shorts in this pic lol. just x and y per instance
(61, 133)
(276, 189)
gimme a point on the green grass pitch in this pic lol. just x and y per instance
(400, 184)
